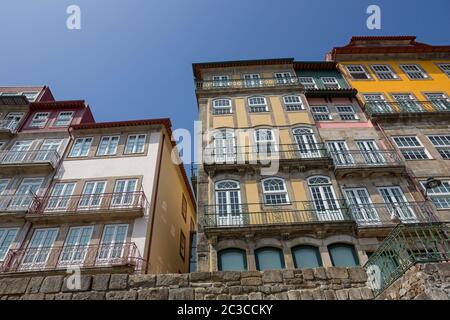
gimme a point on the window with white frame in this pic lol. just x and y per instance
(445, 67)
(31, 95)
(64, 118)
(81, 147)
(7, 236)
(414, 71)
(440, 100)
(293, 103)
(265, 141)
(221, 81)
(257, 104)
(108, 146)
(252, 80)
(330, 82)
(39, 119)
(442, 145)
(275, 192)
(440, 195)
(321, 113)
(357, 72)
(308, 83)
(347, 112)
(135, 143)
(222, 106)
(384, 71)
(283, 78)
(411, 148)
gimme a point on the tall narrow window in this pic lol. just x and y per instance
(265, 142)
(414, 71)
(108, 146)
(135, 143)
(340, 153)
(60, 196)
(222, 106)
(396, 204)
(442, 145)
(357, 72)
(182, 245)
(411, 148)
(308, 83)
(7, 236)
(39, 119)
(330, 82)
(275, 192)
(343, 255)
(347, 113)
(257, 104)
(92, 195)
(228, 211)
(25, 193)
(112, 243)
(306, 142)
(252, 80)
(81, 147)
(39, 249)
(183, 207)
(232, 260)
(384, 71)
(48, 150)
(64, 118)
(361, 206)
(224, 147)
(324, 199)
(293, 103)
(269, 259)
(124, 193)
(370, 152)
(76, 246)
(321, 113)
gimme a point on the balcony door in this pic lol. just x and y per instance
(224, 147)
(370, 152)
(228, 204)
(18, 152)
(324, 199)
(12, 119)
(377, 103)
(92, 195)
(124, 193)
(407, 103)
(48, 149)
(361, 206)
(112, 244)
(440, 101)
(76, 246)
(25, 193)
(60, 196)
(39, 249)
(3, 198)
(397, 205)
(339, 152)
(306, 143)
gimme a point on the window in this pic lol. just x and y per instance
(347, 113)
(63, 119)
(414, 71)
(48, 150)
(252, 80)
(324, 200)
(112, 243)
(442, 145)
(265, 142)
(257, 104)
(81, 147)
(357, 72)
(306, 143)
(183, 207)
(440, 195)
(135, 144)
(39, 249)
(124, 193)
(224, 147)
(7, 236)
(396, 203)
(361, 206)
(293, 103)
(269, 259)
(330, 82)
(306, 257)
(284, 78)
(222, 106)
(228, 211)
(232, 260)
(182, 245)
(384, 71)
(92, 195)
(76, 245)
(2, 144)
(340, 153)
(25, 193)
(411, 148)
(343, 255)
(31, 95)
(308, 83)
(321, 113)
(221, 81)
(377, 103)
(39, 120)
(440, 101)
(108, 146)
(407, 102)
(13, 119)
(275, 192)
(370, 152)
(445, 67)
(60, 196)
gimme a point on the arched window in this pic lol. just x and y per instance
(224, 147)
(275, 191)
(325, 203)
(343, 255)
(269, 258)
(228, 211)
(306, 142)
(306, 257)
(293, 103)
(257, 104)
(232, 260)
(265, 142)
(222, 106)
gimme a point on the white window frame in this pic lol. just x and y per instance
(252, 80)
(293, 105)
(284, 77)
(134, 151)
(436, 193)
(445, 68)
(388, 74)
(411, 148)
(361, 71)
(6, 248)
(419, 70)
(330, 83)
(265, 143)
(259, 106)
(39, 251)
(60, 196)
(321, 113)
(442, 146)
(282, 192)
(109, 151)
(111, 248)
(39, 123)
(343, 114)
(220, 81)
(66, 121)
(222, 109)
(308, 83)
(228, 204)
(27, 93)
(324, 209)
(85, 140)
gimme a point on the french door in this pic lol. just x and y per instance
(306, 143)
(92, 195)
(339, 152)
(39, 249)
(397, 204)
(370, 152)
(112, 244)
(378, 103)
(18, 152)
(124, 193)
(325, 203)
(76, 246)
(228, 205)
(407, 103)
(24, 195)
(47, 150)
(13, 118)
(439, 100)
(361, 206)
(60, 196)
(224, 148)
(252, 80)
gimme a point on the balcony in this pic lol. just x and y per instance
(14, 206)
(104, 206)
(249, 84)
(120, 255)
(407, 109)
(20, 162)
(265, 155)
(366, 162)
(8, 127)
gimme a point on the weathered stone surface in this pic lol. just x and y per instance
(222, 276)
(181, 294)
(306, 295)
(90, 295)
(320, 273)
(294, 295)
(308, 274)
(70, 284)
(153, 294)
(100, 282)
(165, 280)
(33, 296)
(251, 281)
(142, 281)
(121, 295)
(366, 293)
(329, 295)
(342, 294)
(52, 284)
(288, 274)
(63, 296)
(251, 274)
(200, 276)
(272, 276)
(255, 296)
(357, 275)
(354, 294)
(14, 285)
(239, 297)
(337, 273)
(118, 281)
(35, 284)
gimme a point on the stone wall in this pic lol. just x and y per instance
(309, 284)
(430, 281)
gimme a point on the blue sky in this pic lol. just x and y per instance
(132, 59)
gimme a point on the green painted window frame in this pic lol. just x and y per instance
(278, 250)
(347, 245)
(241, 251)
(304, 246)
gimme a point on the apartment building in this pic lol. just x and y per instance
(404, 87)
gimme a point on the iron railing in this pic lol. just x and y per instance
(391, 214)
(246, 83)
(405, 246)
(386, 107)
(366, 159)
(90, 203)
(261, 214)
(8, 125)
(63, 257)
(9, 157)
(15, 202)
(263, 153)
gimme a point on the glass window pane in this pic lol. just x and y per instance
(232, 260)
(343, 255)
(306, 257)
(269, 259)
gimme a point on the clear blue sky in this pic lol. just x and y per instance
(132, 58)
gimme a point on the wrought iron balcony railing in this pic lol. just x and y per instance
(9, 157)
(260, 214)
(246, 83)
(86, 203)
(366, 159)
(8, 125)
(15, 203)
(263, 153)
(62, 257)
(405, 246)
(390, 214)
(376, 108)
